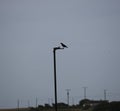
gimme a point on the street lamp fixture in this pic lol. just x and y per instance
(55, 80)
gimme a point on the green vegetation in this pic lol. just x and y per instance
(84, 105)
(106, 106)
(16, 109)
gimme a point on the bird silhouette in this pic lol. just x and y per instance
(63, 45)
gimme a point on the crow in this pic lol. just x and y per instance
(63, 45)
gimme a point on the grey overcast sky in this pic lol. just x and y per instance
(29, 29)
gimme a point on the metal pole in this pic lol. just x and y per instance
(55, 80)
(55, 83)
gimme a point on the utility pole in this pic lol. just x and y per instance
(36, 102)
(72, 100)
(50, 101)
(18, 104)
(28, 103)
(85, 92)
(68, 95)
(105, 94)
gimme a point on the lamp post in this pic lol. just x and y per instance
(55, 78)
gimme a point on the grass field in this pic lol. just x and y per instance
(15, 109)
(27, 109)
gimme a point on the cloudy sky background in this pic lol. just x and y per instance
(29, 29)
